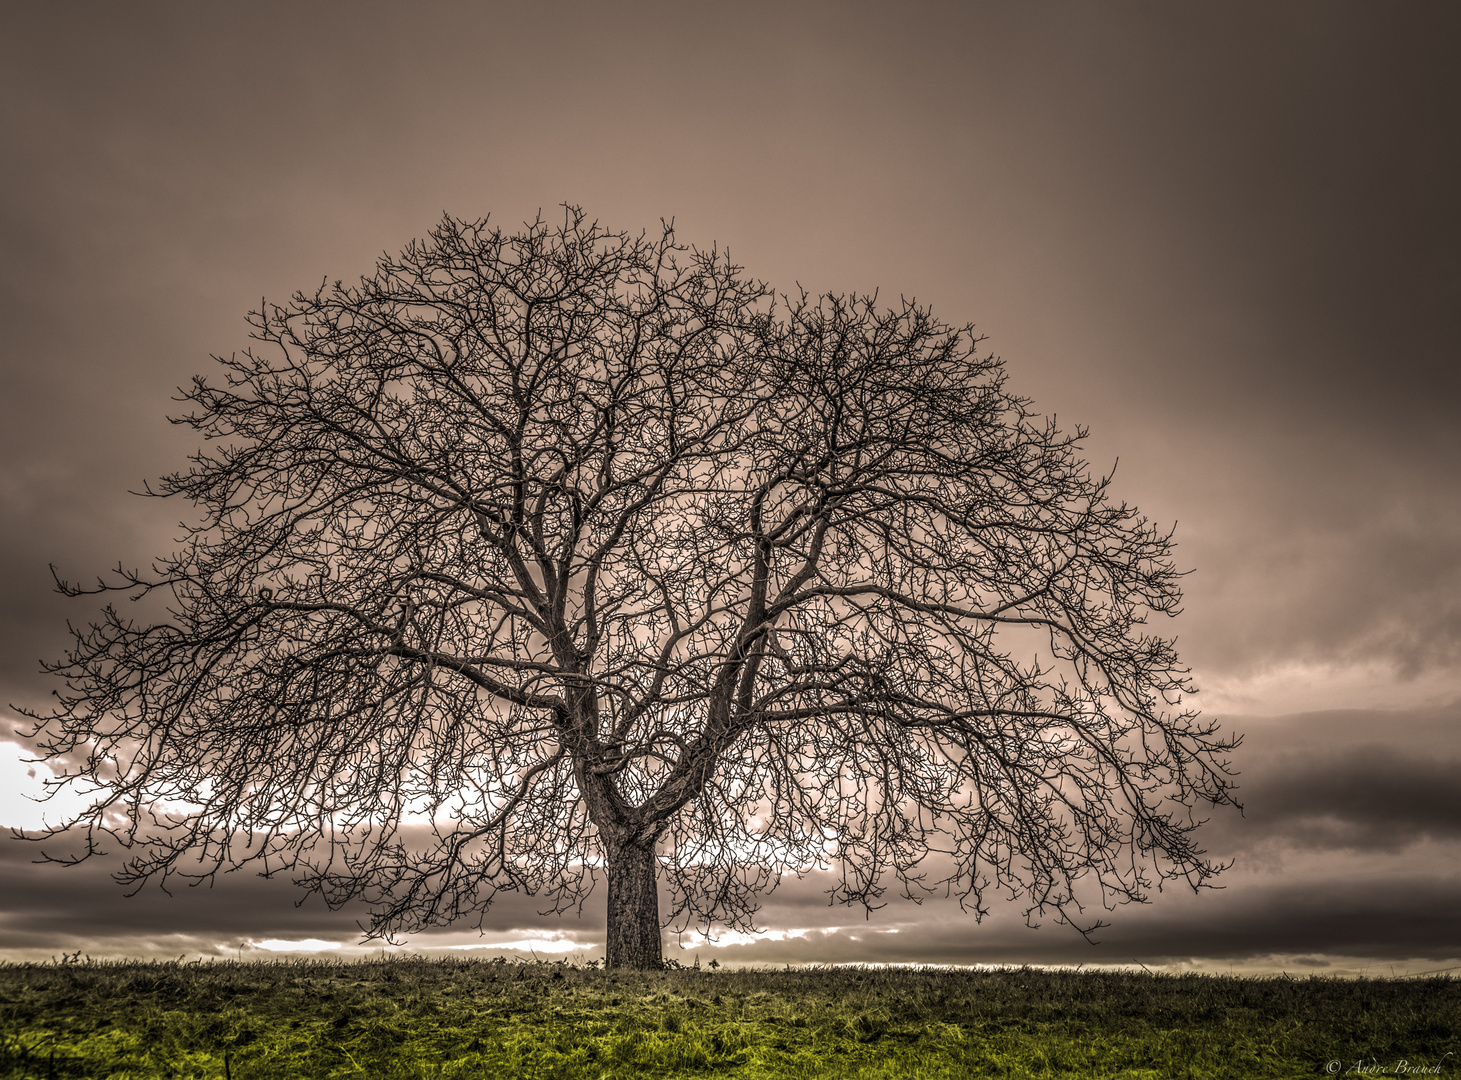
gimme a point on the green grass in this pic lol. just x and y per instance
(427, 1018)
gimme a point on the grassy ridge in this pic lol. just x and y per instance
(419, 1018)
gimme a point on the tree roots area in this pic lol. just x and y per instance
(475, 1018)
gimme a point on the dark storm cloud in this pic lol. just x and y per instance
(47, 903)
(1408, 914)
(1351, 779)
(1365, 797)
(1371, 916)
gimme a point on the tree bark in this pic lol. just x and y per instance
(634, 931)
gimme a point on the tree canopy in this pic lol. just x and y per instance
(539, 558)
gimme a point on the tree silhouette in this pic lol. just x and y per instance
(570, 553)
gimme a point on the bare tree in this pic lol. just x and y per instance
(541, 555)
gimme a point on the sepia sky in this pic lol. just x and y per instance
(1223, 236)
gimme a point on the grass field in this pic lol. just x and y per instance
(422, 1018)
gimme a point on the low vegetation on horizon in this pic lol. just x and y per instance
(451, 1018)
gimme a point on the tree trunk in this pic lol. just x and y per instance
(633, 939)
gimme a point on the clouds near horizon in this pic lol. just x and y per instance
(1343, 850)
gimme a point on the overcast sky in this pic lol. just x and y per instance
(1223, 236)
